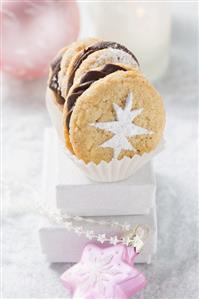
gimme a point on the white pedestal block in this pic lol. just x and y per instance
(76, 194)
(66, 187)
(60, 245)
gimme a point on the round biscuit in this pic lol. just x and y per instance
(96, 105)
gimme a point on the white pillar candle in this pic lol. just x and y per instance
(143, 27)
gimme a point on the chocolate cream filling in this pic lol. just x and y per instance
(96, 47)
(56, 66)
(86, 81)
(54, 84)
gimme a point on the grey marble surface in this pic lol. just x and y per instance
(173, 273)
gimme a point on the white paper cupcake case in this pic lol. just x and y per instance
(55, 114)
(115, 170)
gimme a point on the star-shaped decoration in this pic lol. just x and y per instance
(122, 128)
(104, 273)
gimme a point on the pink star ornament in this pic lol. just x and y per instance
(104, 273)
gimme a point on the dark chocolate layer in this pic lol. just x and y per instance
(86, 81)
(54, 84)
(96, 47)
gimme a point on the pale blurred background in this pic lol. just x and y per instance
(164, 37)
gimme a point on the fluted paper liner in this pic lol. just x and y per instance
(115, 170)
(55, 113)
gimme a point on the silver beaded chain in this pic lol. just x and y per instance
(130, 236)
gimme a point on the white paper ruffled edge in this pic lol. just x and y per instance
(56, 115)
(115, 170)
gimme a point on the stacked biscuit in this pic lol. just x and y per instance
(108, 110)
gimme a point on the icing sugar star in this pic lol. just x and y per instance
(104, 273)
(122, 128)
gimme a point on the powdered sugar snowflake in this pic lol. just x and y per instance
(122, 128)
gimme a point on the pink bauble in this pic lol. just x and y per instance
(32, 33)
(104, 272)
